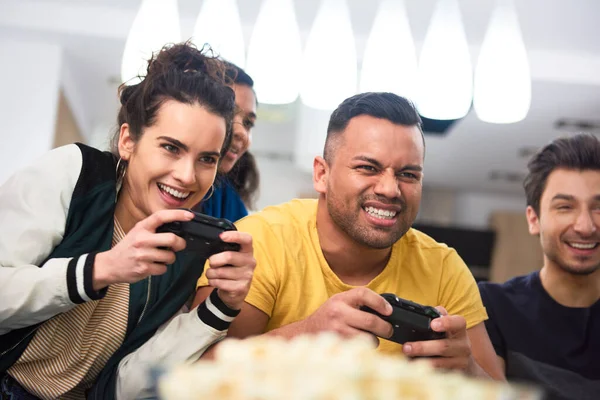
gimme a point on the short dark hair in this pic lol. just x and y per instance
(384, 105)
(578, 152)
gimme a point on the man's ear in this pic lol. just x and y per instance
(320, 174)
(126, 142)
(533, 221)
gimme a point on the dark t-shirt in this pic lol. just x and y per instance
(542, 341)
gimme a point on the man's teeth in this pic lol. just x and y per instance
(583, 246)
(173, 192)
(379, 213)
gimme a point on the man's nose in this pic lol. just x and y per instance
(388, 186)
(585, 224)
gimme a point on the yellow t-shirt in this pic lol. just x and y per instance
(292, 278)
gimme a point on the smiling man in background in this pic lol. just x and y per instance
(545, 326)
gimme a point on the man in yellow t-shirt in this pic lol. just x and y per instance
(319, 261)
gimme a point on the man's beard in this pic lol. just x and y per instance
(362, 234)
(572, 269)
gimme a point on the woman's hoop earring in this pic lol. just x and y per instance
(212, 191)
(120, 172)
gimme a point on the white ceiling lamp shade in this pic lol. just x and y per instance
(155, 25)
(390, 59)
(218, 24)
(275, 53)
(329, 71)
(445, 76)
(502, 93)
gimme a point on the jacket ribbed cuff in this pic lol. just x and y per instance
(214, 313)
(80, 279)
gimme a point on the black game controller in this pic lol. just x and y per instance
(201, 234)
(411, 321)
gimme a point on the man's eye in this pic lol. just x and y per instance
(368, 168)
(409, 175)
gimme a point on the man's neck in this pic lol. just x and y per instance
(570, 290)
(353, 263)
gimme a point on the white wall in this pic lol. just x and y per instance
(474, 209)
(102, 135)
(281, 181)
(29, 82)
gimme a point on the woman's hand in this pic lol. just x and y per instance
(142, 252)
(231, 271)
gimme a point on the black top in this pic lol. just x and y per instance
(542, 341)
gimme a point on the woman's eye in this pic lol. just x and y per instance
(170, 148)
(208, 160)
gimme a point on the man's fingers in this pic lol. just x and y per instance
(366, 297)
(163, 216)
(441, 310)
(365, 321)
(432, 348)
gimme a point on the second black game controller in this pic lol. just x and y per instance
(411, 321)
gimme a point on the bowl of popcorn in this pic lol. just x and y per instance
(322, 367)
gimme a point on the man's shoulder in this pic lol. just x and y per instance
(517, 291)
(516, 285)
(416, 239)
(287, 217)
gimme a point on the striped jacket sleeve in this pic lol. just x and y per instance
(182, 339)
(34, 205)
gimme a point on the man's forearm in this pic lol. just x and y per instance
(289, 331)
(477, 371)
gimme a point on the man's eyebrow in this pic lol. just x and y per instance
(174, 142)
(410, 167)
(561, 196)
(369, 160)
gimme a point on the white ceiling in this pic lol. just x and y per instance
(562, 38)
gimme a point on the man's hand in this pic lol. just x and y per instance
(453, 352)
(341, 314)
